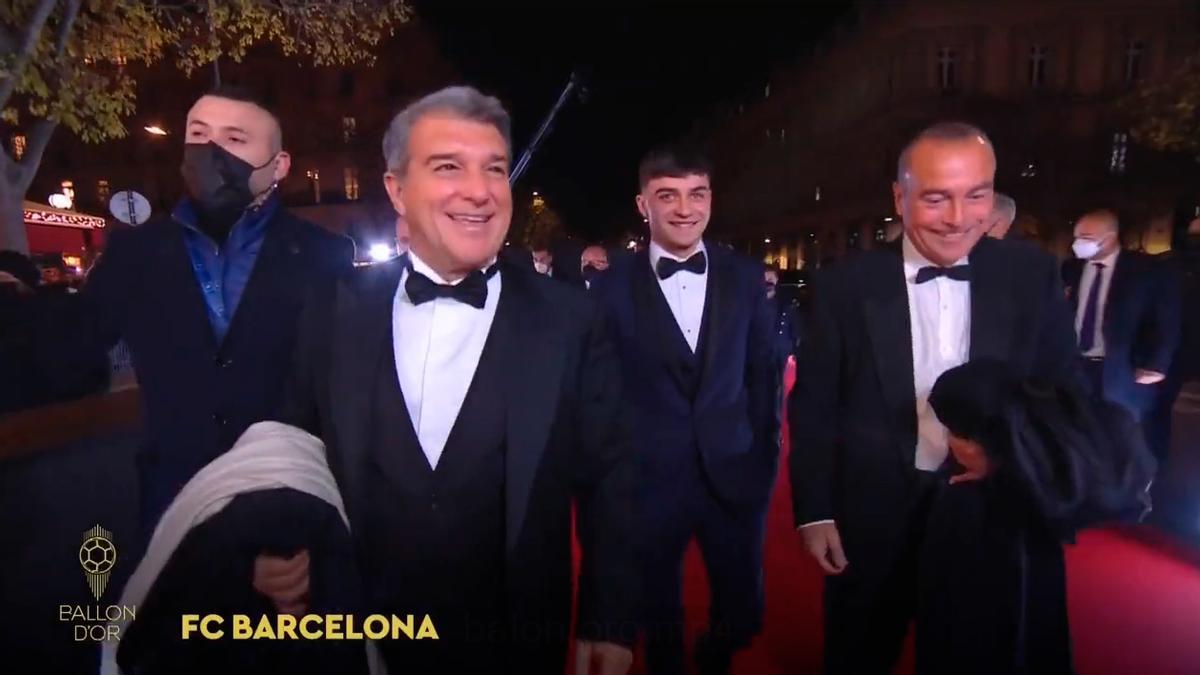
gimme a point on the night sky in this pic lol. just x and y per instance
(652, 68)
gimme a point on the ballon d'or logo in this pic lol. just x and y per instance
(97, 555)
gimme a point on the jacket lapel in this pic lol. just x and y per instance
(175, 267)
(1118, 287)
(718, 305)
(361, 326)
(275, 274)
(890, 329)
(532, 387)
(993, 314)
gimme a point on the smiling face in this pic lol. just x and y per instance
(677, 210)
(454, 194)
(945, 197)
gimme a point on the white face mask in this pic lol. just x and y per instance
(541, 267)
(1085, 249)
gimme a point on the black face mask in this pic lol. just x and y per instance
(218, 183)
(590, 273)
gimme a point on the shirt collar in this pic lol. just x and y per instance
(421, 267)
(1109, 260)
(252, 223)
(914, 261)
(657, 252)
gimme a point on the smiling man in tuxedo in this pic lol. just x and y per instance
(466, 404)
(702, 384)
(868, 453)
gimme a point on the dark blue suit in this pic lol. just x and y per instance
(706, 433)
(199, 394)
(1141, 326)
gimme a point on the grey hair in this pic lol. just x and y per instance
(466, 103)
(941, 131)
(1005, 207)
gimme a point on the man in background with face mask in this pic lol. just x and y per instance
(592, 263)
(1127, 322)
(208, 296)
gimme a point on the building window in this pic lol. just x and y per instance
(314, 182)
(102, 191)
(349, 129)
(1116, 159)
(947, 69)
(351, 183)
(18, 146)
(1037, 66)
(1134, 53)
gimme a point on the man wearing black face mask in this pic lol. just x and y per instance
(592, 263)
(207, 297)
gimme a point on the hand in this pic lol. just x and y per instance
(971, 457)
(602, 658)
(1142, 376)
(825, 544)
(284, 581)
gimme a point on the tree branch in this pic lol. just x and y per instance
(33, 32)
(35, 146)
(64, 28)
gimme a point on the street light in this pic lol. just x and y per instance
(156, 130)
(380, 252)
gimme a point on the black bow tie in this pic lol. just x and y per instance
(956, 273)
(696, 264)
(472, 290)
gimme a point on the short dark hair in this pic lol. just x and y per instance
(246, 94)
(771, 267)
(674, 161)
(940, 131)
(243, 93)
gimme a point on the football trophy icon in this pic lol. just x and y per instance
(97, 556)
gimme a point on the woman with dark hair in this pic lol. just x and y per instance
(1033, 464)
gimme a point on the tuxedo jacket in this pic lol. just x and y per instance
(723, 401)
(852, 414)
(566, 442)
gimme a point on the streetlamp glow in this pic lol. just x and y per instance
(156, 130)
(380, 252)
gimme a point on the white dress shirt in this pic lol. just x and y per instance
(1085, 290)
(437, 346)
(940, 315)
(684, 292)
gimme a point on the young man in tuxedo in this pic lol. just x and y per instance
(466, 404)
(868, 454)
(693, 330)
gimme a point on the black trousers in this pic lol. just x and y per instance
(731, 544)
(869, 607)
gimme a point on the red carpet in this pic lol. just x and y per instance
(1134, 603)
